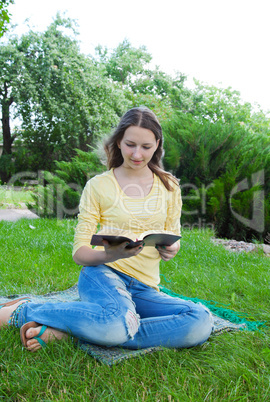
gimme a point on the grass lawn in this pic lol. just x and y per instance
(36, 257)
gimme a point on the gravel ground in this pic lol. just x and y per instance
(239, 246)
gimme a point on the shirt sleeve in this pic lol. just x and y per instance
(88, 218)
(174, 208)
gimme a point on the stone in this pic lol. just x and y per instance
(266, 249)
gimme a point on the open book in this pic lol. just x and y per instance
(149, 238)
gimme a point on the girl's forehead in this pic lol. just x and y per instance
(135, 134)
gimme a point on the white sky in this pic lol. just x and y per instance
(222, 42)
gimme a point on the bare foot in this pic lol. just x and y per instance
(49, 335)
(6, 312)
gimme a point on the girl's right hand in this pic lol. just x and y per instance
(120, 251)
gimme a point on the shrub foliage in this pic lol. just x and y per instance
(60, 192)
(223, 168)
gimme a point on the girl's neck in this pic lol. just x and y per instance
(133, 184)
(133, 174)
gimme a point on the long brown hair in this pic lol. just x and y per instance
(145, 118)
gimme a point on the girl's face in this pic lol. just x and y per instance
(137, 146)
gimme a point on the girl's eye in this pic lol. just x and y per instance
(131, 145)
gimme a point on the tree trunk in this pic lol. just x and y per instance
(5, 172)
(7, 138)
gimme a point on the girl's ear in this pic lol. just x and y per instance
(158, 141)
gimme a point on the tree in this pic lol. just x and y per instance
(225, 105)
(129, 67)
(62, 96)
(11, 80)
(124, 62)
(220, 104)
(4, 15)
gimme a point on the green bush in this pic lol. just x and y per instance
(6, 167)
(223, 169)
(60, 195)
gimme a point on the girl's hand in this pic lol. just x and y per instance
(120, 251)
(168, 252)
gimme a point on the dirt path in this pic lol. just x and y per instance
(13, 214)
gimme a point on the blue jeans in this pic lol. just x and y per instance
(116, 309)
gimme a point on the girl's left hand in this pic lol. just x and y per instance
(168, 252)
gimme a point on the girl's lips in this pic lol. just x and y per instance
(136, 162)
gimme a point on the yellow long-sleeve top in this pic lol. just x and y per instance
(104, 202)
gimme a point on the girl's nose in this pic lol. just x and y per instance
(137, 153)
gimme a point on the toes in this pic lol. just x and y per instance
(31, 332)
(32, 345)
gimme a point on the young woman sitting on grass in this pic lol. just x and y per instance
(118, 286)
